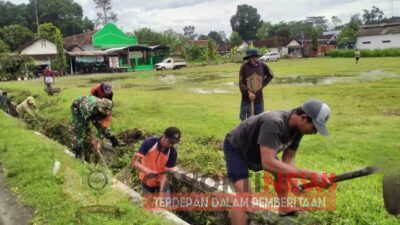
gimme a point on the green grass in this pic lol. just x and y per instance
(28, 160)
(363, 125)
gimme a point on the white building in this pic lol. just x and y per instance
(379, 36)
(41, 50)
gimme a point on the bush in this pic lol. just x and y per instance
(349, 53)
(12, 66)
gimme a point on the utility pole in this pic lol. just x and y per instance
(37, 19)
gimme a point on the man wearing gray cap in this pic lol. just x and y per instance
(255, 143)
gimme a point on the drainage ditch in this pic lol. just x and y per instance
(181, 181)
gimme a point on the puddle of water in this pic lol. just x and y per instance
(326, 80)
(300, 80)
(168, 78)
(161, 88)
(210, 77)
(208, 91)
(172, 78)
(377, 75)
(107, 79)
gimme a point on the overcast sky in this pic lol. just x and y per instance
(208, 15)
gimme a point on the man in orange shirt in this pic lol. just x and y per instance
(103, 90)
(155, 157)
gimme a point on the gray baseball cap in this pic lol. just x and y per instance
(319, 113)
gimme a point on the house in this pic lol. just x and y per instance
(110, 49)
(285, 46)
(200, 43)
(331, 36)
(379, 36)
(326, 42)
(225, 48)
(242, 46)
(41, 50)
(80, 41)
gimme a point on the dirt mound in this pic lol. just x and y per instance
(132, 136)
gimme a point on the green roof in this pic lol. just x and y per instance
(110, 36)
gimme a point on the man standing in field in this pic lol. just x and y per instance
(86, 110)
(256, 142)
(256, 69)
(103, 90)
(155, 157)
(357, 54)
(48, 77)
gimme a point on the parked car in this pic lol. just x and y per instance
(170, 63)
(270, 56)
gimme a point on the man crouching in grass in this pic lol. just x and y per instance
(155, 157)
(255, 143)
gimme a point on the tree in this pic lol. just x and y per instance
(194, 52)
(105, 15)
(373, 16)
(16, 35)
(314, 39)
(246, 22)
(12, 14)
(211, 51)
(202, 37)
(87, 24)
(214, 35)
(60, 62)
(147, 36)
(300, 29)
(13, 66)
(319, 22)
(175, 41)
(188, 32)
(347, 36)
(4, 47)
(222, 34)
(235, 39)
(262, 32)
(279, 31)
(336, 22)
(48, 31)
(64, 14)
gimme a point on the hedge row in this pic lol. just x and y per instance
(349, 53)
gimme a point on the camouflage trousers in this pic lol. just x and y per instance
(82, 139)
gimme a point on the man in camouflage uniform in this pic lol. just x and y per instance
(86, 110)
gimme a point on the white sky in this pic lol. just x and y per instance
(208, 15)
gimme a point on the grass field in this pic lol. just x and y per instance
(204, 103)
(56, 198)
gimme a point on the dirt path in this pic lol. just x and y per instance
(12, 212)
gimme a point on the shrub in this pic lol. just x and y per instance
(349, 53)
(12, 66)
